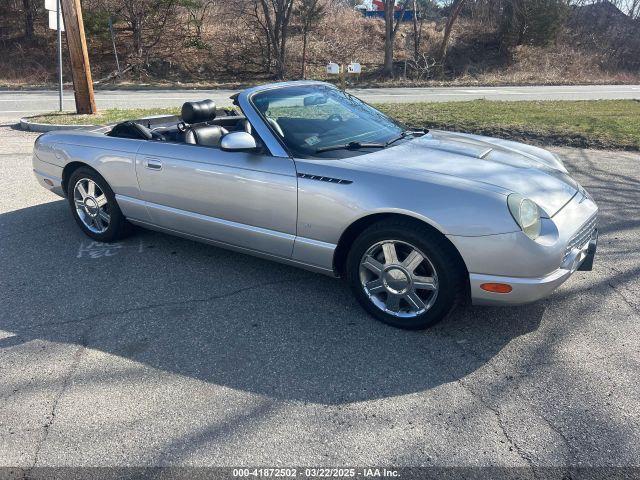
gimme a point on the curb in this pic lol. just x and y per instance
(29, 126)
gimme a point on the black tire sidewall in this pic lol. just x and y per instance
(115, 230)
(447, 267)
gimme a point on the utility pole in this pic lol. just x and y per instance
(80, 68)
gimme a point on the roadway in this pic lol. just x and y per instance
(16, 104)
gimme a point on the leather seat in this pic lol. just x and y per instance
(196, 115)
(205, 135)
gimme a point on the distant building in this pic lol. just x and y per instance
(375, 9)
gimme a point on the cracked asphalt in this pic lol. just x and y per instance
(159, 351)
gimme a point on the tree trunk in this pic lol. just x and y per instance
(387, 70)
(389, 37)
(283, 49)
(277, 26)
(455, 11)
(28, 18)
(136, 36)
(281, 67)
(304, 54)
(264, 26)
(269, 59)
(390, 30)
(416, 37)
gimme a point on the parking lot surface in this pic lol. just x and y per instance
(160, 351)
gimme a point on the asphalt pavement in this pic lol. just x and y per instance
(159, 351)
(16, 104)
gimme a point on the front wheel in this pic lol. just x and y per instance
(94, 208)
(405, 274)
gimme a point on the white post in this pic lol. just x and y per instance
(59, 14)
(113, 42)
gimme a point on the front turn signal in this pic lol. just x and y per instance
(497, 287)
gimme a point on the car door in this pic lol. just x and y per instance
(243, 199)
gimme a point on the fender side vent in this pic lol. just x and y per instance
(320, 178)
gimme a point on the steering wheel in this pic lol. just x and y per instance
(334, 117)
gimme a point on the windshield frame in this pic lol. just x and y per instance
(318, 86)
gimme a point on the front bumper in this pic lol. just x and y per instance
(48, 175)
(527, 290)
(532, 268)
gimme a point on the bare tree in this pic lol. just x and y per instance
(310, 13)
(341, 20)
(416, 32)
(277, 14)
(420, 8)
(456, 8)
(146, 20)
(630, 7)
(391, 25)
(29, 17)
(527, 22)
(248, 13)
(197, 11)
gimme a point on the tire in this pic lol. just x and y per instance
(97, 214)
(398, 288)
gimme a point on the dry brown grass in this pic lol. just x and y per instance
(230, 53)
(561, 64)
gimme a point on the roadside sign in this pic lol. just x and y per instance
(53, 22)
(354, 67)
(333, 68)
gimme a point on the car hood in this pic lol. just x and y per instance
(532, 172)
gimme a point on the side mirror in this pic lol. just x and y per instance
(238, 141)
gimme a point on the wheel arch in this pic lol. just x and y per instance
(68, 170)
(361, 224)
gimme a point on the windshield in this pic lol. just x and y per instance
(312, 119)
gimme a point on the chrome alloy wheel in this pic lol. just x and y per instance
(398, 278)
(91, 205)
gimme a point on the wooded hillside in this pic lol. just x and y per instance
(223, 42)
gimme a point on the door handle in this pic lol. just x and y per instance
(153, 163)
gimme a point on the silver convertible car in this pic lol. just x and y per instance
(306, 174)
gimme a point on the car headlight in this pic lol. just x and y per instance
(526, 214)
(584, 193)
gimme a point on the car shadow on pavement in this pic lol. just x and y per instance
(226, 318)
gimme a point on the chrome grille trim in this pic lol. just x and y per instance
(581, 237)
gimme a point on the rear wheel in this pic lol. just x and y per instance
(94, 208)
(405, 274)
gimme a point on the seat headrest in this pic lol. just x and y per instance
(246, 126)
(198, 112)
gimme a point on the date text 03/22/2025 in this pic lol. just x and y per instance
(316, 472)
